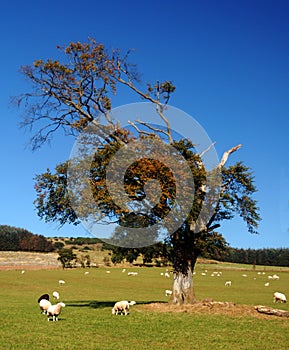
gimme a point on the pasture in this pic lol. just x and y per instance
(87, 323)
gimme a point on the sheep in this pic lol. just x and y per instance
(228, 283)
(167, 275)
(279, 297)
(44, 296)
(122, 307)
(168, 292)
(61, 282)
(132, 273)
(55, 295)
(44, 305)
(267, 284)
(275, 277)
(54, 311)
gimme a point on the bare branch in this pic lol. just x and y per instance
(226, 155)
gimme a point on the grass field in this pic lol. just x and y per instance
(87, 323)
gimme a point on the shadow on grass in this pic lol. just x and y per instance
(103, 304)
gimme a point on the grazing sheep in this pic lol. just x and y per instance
(86, 272)
(44, 296)
(275, 277)
(55, 295)
(132, 273)
(267, 284)
(228, 283)
(279, 297)
(167, 275)
(122, 307)
(44, 305)
(168, 292)
(61, 282)
(54, 311)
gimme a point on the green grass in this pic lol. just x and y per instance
(87, 323)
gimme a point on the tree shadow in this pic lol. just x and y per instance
(95, 304)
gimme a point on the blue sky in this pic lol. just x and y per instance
(228, 60)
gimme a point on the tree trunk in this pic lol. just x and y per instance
(183, 289)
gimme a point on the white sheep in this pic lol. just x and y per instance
(54, 311)
(55, 295)
(279, 297)
(168, 292)
(132, 273)
(61, 282)
(167, 275)
(122, 307)
(228, 283)
(44, 305)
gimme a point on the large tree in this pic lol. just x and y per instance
(78, 92)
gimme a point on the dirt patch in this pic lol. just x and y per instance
(208, 307)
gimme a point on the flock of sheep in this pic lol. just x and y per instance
(122, 307)
(277, 296)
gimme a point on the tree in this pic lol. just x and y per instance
(76, 96)
(66, 256)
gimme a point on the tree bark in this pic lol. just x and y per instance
(183, 288)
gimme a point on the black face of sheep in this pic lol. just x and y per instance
(44, 296)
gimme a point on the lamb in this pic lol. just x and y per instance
(279, 297)
(54, 311)
(44, 305)
(122, 307)
(228, 283)
(55, 295)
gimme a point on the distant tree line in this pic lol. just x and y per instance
(264, 256)
(19, 239)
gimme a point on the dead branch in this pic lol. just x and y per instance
(226, 155)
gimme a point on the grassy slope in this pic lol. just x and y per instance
(87, 323)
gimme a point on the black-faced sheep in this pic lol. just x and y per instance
(44, 305)
(54, 311)
(279, 297)
(44, 296)
(122, 307)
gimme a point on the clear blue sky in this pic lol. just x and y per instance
(228, 59)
